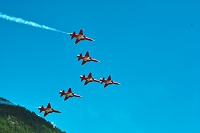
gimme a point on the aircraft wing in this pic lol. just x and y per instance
(109, 77)
(81, 32)
(87, 54)
(49, 105)
(66, 98)
(45, 114)
(90, 75)
(83, 62)
(105, 85)
(77, 41)
(86, 83)
(70, 90)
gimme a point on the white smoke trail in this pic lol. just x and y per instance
(22, 21)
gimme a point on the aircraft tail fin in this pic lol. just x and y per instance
(82, 77)
(62, 93)
(101, 80)
(41, 108)
(79, 57)
(73, 35)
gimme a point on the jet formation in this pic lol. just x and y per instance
(48, 109)
(68, 94)
(108, 81)
(85, 58)
(88, 78)
(80, 36)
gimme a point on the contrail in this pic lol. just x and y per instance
(22, 21)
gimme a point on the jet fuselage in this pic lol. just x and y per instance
(89, 79)
(86, 58)
(49, 110)
(69, 94)
(79, 37)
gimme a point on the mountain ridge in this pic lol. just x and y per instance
(17, 119)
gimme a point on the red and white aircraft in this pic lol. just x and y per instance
(68, 94)
(86, 58)
(79, 36)
(88, 79)
(48, 110)
(108, 81)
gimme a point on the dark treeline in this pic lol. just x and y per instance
(16, 119)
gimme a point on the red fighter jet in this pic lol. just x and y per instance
(108, 81)
(79, 36)
(86, 58)
(48, 110)
(88, 79)
(68, 94)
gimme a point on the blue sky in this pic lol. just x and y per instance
(150, 47)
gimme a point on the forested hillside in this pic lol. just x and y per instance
(17, 119)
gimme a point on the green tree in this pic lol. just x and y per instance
(17, 119)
